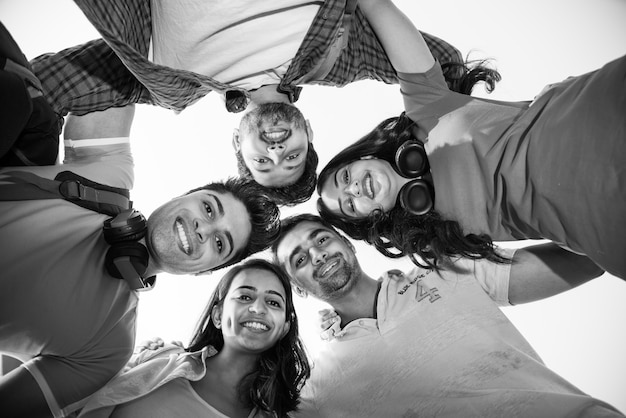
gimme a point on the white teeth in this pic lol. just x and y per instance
(368, 186)
(182, 236)
(256, 325)
(328, 268)
(276, 135)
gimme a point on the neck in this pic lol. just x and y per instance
(359, 303)
(267, 94)
(233, 365)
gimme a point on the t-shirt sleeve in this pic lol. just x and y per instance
(105, 160)
(421, 89)
(67, 382)
(494, 277)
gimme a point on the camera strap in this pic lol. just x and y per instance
(23, 185)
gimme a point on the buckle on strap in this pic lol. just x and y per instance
(74, 190)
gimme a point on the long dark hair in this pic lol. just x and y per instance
(399, 233)
(274, 386)
(462, 77)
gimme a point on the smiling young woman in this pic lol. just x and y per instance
(245, 359)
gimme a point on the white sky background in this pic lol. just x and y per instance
(580, 334)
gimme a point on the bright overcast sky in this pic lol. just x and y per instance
(579, 334)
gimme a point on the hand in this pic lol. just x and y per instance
(330, 324)
(154, 344)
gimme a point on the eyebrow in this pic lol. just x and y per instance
(254, 289)
(229, 237)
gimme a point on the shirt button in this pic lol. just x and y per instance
(361, 322)
(325, 16)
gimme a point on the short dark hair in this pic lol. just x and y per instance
(264, 214)
(292, 194)
(430, 236)
(289, 223)
(274, 386)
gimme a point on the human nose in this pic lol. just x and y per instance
(318, 255)
(276, 148)
(202, 229)
(354, 189)
(257, 307)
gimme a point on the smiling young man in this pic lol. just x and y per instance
(170, 55)
(430, 343)
(62, 312)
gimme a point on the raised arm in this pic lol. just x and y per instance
(403, 43)
(111, 123)
(545, 270)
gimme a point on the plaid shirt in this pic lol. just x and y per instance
(115, 70)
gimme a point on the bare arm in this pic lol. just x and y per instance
(403, 43)
(111, 123)
(544, 270)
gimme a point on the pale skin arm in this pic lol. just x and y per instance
(545, 270)
(111, 123)
(20, 395)
(401, 40)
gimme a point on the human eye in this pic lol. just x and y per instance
(219, 244)
(345, 176)
(260, 160)
(299, 260)
(244, 297)
(208, 209)
(350, 205)
(322, 240)
(274, 303)
(292, 157)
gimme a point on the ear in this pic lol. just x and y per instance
(216, 316)
(236, 143)
(286, 328)
(309, 131)
(300, 291)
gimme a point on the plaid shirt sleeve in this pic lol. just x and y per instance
(115, 70)
(363, 58)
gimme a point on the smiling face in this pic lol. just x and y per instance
(356, 189)
(273, 139)
(197, 232)
(319, 260)
(253, 315)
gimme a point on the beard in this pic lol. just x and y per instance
(272, 113)
(341, 282)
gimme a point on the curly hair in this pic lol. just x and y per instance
(429, 236)
(274, 386)
(263, 212)
(292, 194)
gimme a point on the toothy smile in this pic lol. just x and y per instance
(328, 267)
(277, 135)
(258, 326)
(368, 188)
(182, 236)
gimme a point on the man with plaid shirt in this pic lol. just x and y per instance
(327, 43)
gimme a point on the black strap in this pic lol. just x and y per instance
(68, 186)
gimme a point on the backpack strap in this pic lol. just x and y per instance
(68, 186)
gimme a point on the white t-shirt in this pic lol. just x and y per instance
(244, 43)
(440, 347)
(58, 306)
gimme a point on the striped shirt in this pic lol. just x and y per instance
(116, 71)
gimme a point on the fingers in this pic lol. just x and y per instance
(153, 344)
